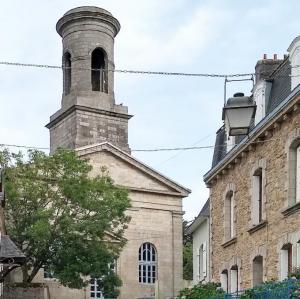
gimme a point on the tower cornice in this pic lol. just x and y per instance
(86, 13)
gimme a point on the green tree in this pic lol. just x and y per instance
(203, 291)
(62, 218)
(187, 253)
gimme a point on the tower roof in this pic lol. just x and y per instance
(87, 13)
(88, 9)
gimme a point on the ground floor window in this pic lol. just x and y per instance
(96, 288)
(285, 261)
(234, 283)
(257, 270)
(147, 263)
(224, 281)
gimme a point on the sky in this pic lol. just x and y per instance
(193, 36)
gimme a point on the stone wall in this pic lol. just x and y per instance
(268, 238)
(155, 218)
(81, 128)
(12, 292)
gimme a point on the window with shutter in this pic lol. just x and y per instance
(204, 260)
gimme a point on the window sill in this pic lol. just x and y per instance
(229, 242)
(291, 209)
(257, 227)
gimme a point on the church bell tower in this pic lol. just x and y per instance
(88, 112)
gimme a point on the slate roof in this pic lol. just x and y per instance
(281, 88)
(8, 250)
(281, 85)
(204, 214)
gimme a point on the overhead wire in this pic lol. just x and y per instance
(141, 72)
(153, 149)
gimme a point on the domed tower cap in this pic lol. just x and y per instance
(87, 12)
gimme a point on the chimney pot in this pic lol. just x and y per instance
(275, 56)
(265, 56)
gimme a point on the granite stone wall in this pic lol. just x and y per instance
(279, 228)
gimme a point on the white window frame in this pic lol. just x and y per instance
(257, 196)
(204, 259)
(95, 289)
(147, 264)
(224, 280)
(298, 254)
(234, 283)
(285, 261)
(297, 175)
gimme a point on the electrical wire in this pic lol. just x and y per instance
(151, 150)
(141, 72)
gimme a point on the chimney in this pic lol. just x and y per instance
(265, 67)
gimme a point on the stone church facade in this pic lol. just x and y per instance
(91, 122)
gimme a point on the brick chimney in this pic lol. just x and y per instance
(265, 67)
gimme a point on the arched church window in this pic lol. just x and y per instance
(147, 263)
(67, 72)
(99, 72)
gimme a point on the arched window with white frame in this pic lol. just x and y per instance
(147, 263)
(286, 262)
(234, 279)
(224, 280)
(294, 172)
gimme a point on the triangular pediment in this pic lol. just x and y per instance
(128, 171)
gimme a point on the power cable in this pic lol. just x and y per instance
(150, 150)
(142, 72)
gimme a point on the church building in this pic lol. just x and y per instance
(90, 121)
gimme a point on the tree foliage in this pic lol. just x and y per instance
(187, 254)
(203, 291)
(62, 218)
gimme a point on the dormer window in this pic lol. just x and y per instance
(99, 71)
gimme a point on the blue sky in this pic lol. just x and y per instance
(198, 36)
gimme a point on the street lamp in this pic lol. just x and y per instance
(237, 114)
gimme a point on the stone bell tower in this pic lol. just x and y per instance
(88, 112)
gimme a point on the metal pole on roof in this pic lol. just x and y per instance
(225, 83)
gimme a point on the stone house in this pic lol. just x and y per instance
(199, 229)
(90, 121)
(254, 183)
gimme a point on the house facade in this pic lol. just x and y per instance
(90, 121)
(255, 184)
(199, 229)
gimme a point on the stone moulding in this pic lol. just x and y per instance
(64, 114)
(229, 242)
(257, 227)
(291, 209)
